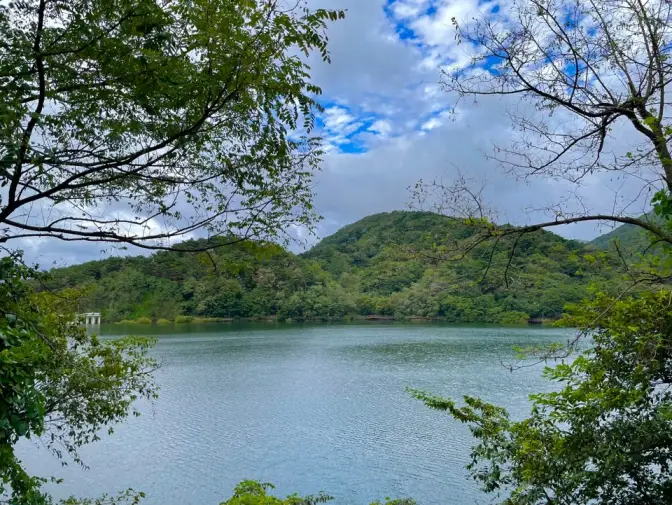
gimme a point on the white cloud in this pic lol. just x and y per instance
(381, 126)
(405, 9)
(431, 123)
(436, 28)
(337, 118)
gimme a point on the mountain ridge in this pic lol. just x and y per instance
(383, 264)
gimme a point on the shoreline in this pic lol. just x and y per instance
(372, 318)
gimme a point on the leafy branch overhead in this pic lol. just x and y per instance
(137, 121)
(588, 77)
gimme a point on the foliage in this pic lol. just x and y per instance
(58, 383)
(247, 492)
(383, 264)
(177, 115)
(22, 406)
(514, 317)
(255, 493)
(128, 497)
(318, 302)
(605, 436)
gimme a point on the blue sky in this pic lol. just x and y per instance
(419, 28)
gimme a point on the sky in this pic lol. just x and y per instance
(387, 124)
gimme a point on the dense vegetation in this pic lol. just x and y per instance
(631, 238)
(385, 264)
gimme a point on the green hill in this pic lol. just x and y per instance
(396, 264)
(631, 238)
(356, 244)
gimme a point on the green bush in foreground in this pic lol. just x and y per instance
(248, 492)
(251, 492)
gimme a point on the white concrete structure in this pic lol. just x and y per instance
(91, 318)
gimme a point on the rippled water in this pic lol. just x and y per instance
(308, 408)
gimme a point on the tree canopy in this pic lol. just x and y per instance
(137, 121)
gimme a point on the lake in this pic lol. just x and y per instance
(308, 408)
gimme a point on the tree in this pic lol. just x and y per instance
(137, 121)
(247, 492)
(605, 437)
(586, 69)
(58, 383)
(256, 493)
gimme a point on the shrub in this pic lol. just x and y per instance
(184, 319)
(250, 492)
(163, 320)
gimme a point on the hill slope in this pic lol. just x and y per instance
(631, 238)
(383, 264)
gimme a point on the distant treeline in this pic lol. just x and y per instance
(386, 264)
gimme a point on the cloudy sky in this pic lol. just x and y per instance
(387, 124)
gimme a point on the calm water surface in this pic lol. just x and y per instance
(308, 408)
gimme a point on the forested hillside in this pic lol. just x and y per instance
(400, 264)
(632, 239)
